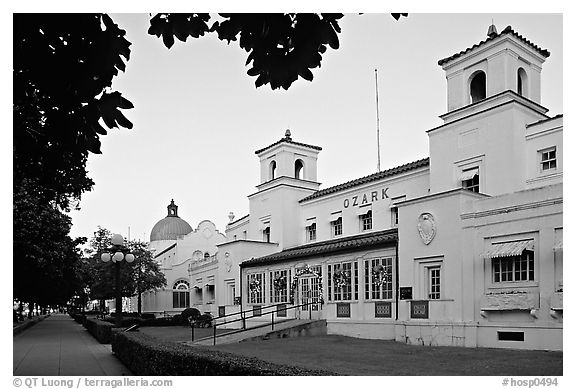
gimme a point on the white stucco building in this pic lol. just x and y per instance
(462, 248)
(181, 252)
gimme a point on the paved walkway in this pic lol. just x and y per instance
(58, 346)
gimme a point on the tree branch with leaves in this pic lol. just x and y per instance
(281, 47)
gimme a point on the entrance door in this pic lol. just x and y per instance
(309, 293)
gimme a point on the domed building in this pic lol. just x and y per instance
(169, 229)
(180, 250)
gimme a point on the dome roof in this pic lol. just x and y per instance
(171, 227)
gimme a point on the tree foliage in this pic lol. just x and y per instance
(137, 277)
(45, 257)
(63, 66)
(146, 271)
(281, 47)
(63, 69)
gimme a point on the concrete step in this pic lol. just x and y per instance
(287, 328)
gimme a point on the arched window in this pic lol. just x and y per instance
(272, 170)
(522, 81)
(266, 234)
(299, 169)
(478, 86)
(181, 294)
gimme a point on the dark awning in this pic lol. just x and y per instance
(508, 249)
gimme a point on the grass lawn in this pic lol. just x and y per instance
(352, 356)
(179, 334)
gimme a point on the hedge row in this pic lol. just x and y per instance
(78, 317)
(145, 355)
(159, 322)
(176, 320)
(27, 324)
(99, 329)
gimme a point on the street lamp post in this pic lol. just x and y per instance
(120, 252)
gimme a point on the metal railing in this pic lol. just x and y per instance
(274, 309)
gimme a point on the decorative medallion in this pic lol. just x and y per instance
(427, 227)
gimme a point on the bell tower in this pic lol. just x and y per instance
(288, 173)
(505, 61)
(493, 92)
(288, 159)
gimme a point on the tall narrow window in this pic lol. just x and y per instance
(311, 232)
(394, 215)
(256, 288)
(279, 286)
(344, 282)
(378, 279)
(478, 87)
(366, 221)
(266, 234)
(299, 169)
(337, 227)
(434, 283)
(272, 170)
(522, 79)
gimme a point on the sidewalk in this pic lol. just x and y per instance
(58, 346)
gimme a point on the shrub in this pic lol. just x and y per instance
(126, 321)
(148, 316)
(205, 320)
(159, 322)
(78, 317)
(177, 320)
(101, 330)
(145, 355)
(190, 313)
(26, 324)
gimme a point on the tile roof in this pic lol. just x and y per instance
(372, 177)
(290, 141)
(327, 247)
(507, 30)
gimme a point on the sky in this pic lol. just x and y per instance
(198, 117)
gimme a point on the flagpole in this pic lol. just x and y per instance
(377, 120)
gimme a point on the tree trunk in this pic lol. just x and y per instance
(139, 303)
